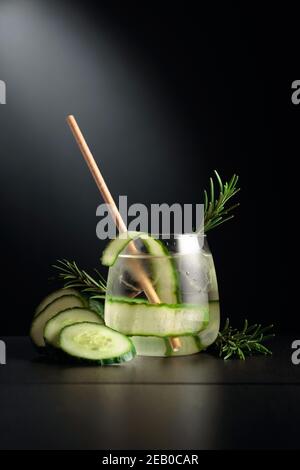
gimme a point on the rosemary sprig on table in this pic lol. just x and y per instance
(215, 212)
(72, 276)
(234, 343)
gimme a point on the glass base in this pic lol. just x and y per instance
(161, 347)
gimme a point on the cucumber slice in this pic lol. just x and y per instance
(116, 246)
(54, 295)
(96, 343)
(209, 335)
(70, 316)
(38, 322)
(154, 346)
(163, 268)
(163, 271)
(143, 319)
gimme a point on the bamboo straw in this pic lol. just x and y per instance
(107, 197)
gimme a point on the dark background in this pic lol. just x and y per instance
(165, 95)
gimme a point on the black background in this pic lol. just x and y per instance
(164, 94)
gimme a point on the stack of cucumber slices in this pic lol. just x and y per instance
(66, 322)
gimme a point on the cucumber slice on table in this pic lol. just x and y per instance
(96, 343)
(132, 317)
(163, 268)
(70, 316)
(154, 346)
(54, 295)
(39, 321)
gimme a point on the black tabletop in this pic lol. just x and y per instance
(192, 402)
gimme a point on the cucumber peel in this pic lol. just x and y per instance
(164, 320)
(161, 263)
(193, 344)
(163, 271)
(116, 246)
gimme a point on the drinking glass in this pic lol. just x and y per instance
(180, 268)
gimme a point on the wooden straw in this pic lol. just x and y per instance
(108, 199)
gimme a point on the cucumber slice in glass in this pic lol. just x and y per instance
(116, 246)
(154, 346)
(140, 318)
(96, 343)
(162, 265)
(163, 271)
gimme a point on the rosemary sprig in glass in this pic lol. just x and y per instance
(72, 276)
(215, 212)
(232, 343)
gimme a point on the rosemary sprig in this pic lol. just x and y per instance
(73, 276)
(215, 212)
(246, 342)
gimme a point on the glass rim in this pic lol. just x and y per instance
(178, 235)
(147, 256)
(171, 254)
(164, 236)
